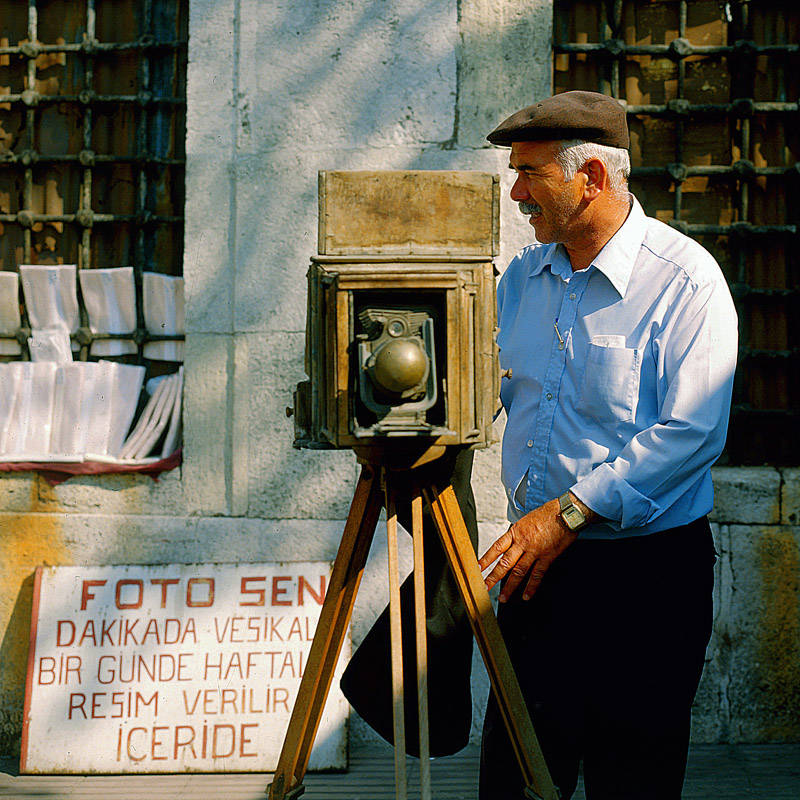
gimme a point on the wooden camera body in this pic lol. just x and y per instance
(400, 333)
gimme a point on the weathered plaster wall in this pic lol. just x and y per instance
(277, 91)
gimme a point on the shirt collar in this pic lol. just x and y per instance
(615, 260)
(618, 256)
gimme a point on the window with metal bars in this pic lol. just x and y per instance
(92, 145)
(92, 132)
(711, 94)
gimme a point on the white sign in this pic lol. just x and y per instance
(173, 668)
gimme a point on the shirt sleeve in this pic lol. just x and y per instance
(696, 359)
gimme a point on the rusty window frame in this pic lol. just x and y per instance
(146, 102)
(757, 434)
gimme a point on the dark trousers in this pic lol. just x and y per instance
(609, 654)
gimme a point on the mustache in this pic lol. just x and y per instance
(529, 208)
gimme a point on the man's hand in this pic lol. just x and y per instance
(529, 545)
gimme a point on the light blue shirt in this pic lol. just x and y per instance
(626, 403)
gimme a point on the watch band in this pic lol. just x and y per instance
(571, 515)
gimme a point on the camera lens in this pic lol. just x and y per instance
(399, 365)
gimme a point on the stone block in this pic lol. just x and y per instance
(254, 540)
(208, 263)
(790, 496)
(98, 539)
(348, 74)
(284, 482)
(206, 409)
(276, 235)
(504, 63)
(763, 634)
(115, 494)
(17, 491)
(211, 118)
(746, 495)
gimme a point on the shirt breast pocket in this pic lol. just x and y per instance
(610, 383)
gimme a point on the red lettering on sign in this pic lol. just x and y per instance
(304, 584)
(77, 700)
(179, 744)
(260, 592)
(243, 740)
(191, 602)
(61, 637)
(278, 590)
(164, 583)
(86, 592)
(137, 603)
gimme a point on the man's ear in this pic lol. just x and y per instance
(596, 178)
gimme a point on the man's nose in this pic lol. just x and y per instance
(519, 191)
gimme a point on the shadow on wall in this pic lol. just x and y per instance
(345, 86)
(14, 658)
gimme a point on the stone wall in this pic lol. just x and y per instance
(276, 92)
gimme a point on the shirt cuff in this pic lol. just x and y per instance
(615, 499)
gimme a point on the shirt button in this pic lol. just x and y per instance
(572, 296)
(549, 396)
(530, 442)
(534, 477)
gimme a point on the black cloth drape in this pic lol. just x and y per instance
(367, 681)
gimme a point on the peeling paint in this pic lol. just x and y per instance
(779, 632)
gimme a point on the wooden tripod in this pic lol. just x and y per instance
(375, 485)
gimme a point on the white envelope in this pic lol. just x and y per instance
(110, 299)
(127, 388)
(27, 434)
(72, 410)
(9, 384)
(163, 307)
(51, 296)
(148, 420)
(114, 400)
(50, 345)
(174, 431)
(9, 313)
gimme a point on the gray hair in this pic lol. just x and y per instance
(574, 153)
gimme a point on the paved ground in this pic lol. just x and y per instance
(716, 772)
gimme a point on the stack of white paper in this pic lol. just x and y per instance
(162, 413)
(76, 411)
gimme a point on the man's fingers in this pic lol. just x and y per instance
(496, 550)
(537, 573)
(516, 575)
(504, 565)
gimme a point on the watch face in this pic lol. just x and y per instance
(573, 517)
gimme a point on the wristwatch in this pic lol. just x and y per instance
(572, 516)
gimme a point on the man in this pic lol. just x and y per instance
(618, 337)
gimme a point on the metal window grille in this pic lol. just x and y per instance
(92, 131)
(711, 93)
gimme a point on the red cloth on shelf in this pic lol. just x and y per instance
(55, 473)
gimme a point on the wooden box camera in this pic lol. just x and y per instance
(401, 311)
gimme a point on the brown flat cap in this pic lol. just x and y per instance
(571, 115)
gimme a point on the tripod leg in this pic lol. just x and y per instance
(455, 541)
(334, 618)
(396, 639)
(422, 646)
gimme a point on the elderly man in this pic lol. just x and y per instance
(618, 340)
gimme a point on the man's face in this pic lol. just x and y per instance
(551, 203)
